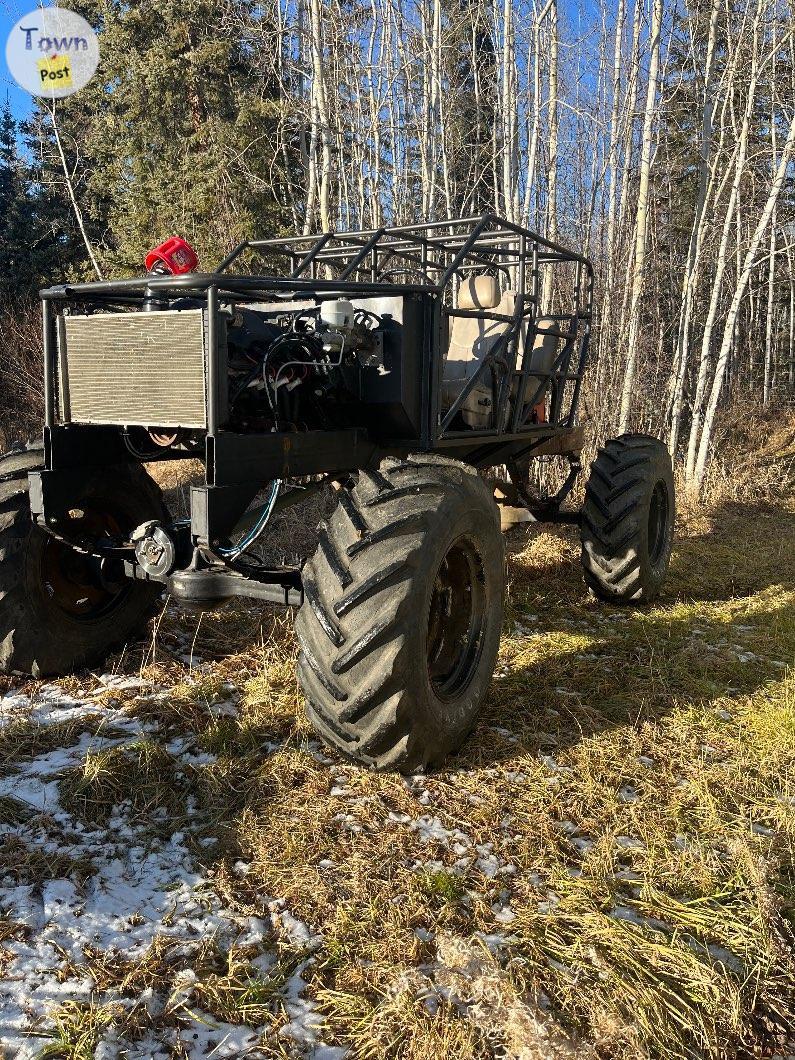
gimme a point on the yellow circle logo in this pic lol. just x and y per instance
(52, 52)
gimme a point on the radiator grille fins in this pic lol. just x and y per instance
(137, 369)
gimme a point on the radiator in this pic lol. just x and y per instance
(136, 369)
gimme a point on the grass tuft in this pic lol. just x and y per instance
(141, 775)
(77, 1029)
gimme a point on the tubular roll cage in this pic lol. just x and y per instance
(439, 254)
(432, 259)
(436, 256)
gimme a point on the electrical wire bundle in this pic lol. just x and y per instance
(248, 539)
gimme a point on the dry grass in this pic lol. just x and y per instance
(754, 456)
(606, 868)
(632, 776)
(141, 775)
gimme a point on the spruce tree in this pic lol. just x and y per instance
(473, 58)
(16, 231)
(176, 134)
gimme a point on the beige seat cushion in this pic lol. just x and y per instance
(472, 339)
(479, 292)
(542, 356)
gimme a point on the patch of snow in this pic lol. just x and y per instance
(552, 763)
(49, 706)
(431, 830)
(295, 930)
(121, 683)
(398, 818)
(494, 942)
(140, 886)
(582, 844)
(762, 829)
(305, 1021)
(318, 752)
(632, 916)
(348, 822)
(629, 843)
(505, 733)
(489, 865)
(206, 1037)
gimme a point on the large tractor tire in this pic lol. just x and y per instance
(628, 520)
(57, 613)
(400, 627)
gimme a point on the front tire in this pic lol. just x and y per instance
(628, 520)
(56, 615)
(400, 627)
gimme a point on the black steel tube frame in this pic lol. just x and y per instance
(441, 253)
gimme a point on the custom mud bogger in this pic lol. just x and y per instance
(395, 364)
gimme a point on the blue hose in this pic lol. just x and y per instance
(248, 540)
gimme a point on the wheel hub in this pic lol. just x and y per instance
(74, 581)
(658, 522)
(456, 620)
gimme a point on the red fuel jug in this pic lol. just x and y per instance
(175, 256)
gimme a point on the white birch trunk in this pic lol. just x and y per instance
(692, 268)
(740, 289)
(552, 168)
(641, 217)
(612, 167)
(70, 189)
(731, 217)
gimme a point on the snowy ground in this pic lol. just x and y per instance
(135, 886)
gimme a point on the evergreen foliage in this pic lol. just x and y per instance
(175, 134)
(17, 234)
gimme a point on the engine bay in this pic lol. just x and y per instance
(300, 369)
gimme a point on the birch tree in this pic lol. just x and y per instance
(692, 267)
(641, 217)
(552, 167)
(749, 263)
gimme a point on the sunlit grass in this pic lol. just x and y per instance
(605, 867)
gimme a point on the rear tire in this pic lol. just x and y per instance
(400, 627)
(55, 616)
(628, 520)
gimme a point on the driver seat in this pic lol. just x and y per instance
(472, 339)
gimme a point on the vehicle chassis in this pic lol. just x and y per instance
(434, 257)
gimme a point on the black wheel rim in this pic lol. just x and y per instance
(456, 620)
(71, 580)
(658, 522)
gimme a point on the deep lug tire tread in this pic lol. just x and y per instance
(26, 646)
(357, 629)
(616, 562)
